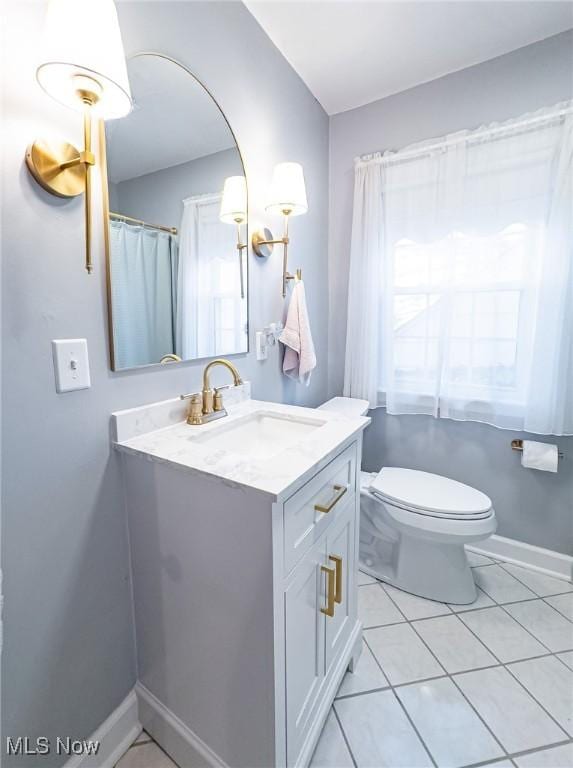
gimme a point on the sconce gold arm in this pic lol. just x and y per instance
(240, 247)
(261, 239)
(64, 171)
(88, 162)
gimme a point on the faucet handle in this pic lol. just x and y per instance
(189, 395)
(218, 399)
(195, 414)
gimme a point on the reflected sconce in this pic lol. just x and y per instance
(287, 196)
(234, 211)
(82, 66)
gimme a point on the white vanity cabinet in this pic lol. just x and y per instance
(245, 602)
(315, 641)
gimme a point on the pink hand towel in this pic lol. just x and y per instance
(299, 359)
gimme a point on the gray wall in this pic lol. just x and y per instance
(532, 506)
(157, 197)
(68, 645)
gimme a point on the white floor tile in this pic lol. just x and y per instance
(414, 607)
(563, 604)
(451, 730)
(375, 607)
(401, 654)
(475, 559)
(500, 585)
(514, 717)
(331, 750)
(379, 733)
(364, 578)
(540, 583)
(543, 621)
(481, 601)
(366, 677)
(567, 658)
(454, 645)
(557, 757)
(505, 638)
(551, 684)
(145, 756)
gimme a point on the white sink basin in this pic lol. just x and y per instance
(259, 435)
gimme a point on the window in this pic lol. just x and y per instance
(460, 297)
(474, 295)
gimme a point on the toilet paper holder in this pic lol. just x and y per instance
(517, 445)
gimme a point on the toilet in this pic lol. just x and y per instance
(414, 525)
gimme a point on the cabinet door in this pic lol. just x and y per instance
(304, 641)
(340, 555)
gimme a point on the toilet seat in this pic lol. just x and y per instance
(429, 495)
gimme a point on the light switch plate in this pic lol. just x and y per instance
(71, 365)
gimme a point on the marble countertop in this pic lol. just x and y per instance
(176, 444)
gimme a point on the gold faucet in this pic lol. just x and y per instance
(208, 404)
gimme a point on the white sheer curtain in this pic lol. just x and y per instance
(460, 294)
(211, 315)
(187, 322)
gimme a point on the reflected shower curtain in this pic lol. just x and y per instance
(144, 269)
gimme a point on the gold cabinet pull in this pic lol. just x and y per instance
(339, 491)
(330, 590)
(337, 560)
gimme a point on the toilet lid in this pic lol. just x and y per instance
(429, 493)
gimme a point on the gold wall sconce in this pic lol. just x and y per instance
(287, 196)
(234, 211)
(83, 67)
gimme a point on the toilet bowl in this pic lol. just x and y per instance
(414, 525)
(413, 528)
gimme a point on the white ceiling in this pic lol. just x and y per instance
(351, 52)
(174, 120)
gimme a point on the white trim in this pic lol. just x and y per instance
(536, 558)
(177, 739)
(115, 735)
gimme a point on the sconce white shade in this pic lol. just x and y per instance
(287, 192)
(234, 202)
(82, 38)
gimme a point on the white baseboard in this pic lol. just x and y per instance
(518, 552)
(176, 738)
(115, 735)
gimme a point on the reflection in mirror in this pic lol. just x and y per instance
(176, 263)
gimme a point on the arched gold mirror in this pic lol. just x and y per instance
(176, 259)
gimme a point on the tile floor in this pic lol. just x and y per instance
(450, 686)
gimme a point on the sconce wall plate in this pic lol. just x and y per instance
(263, 243)
(48, 161)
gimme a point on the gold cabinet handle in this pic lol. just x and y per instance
(339, 491)
(330, 590)
(337, 560)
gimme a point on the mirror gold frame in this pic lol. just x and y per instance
(106, 218)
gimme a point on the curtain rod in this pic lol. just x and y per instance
(398, 154)
(121, 217)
